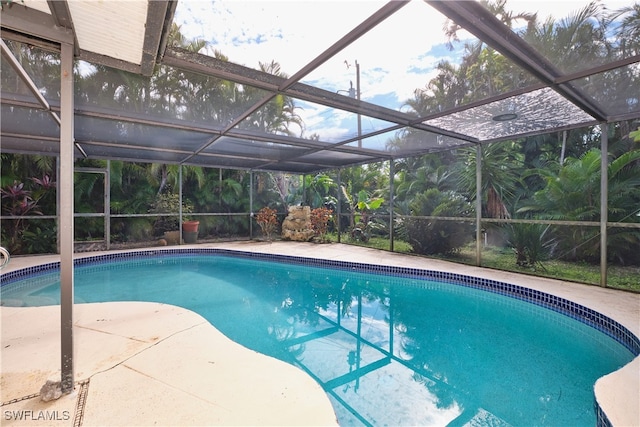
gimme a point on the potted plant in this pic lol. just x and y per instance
(190, 230)
(168, 226)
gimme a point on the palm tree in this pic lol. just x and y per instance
(500, 165)
(573, 193)
(279, 114)
(628, 30)
(417, 174)
(499, 9)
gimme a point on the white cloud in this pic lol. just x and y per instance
(295, 32)
(394, 56)
(292, 32)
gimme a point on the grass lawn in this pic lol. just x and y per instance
(625, 278)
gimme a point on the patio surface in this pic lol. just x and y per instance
(156, 364)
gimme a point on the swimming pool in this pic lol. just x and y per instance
(398, 335)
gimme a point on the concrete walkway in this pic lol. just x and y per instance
(149, 364)
(155, 364)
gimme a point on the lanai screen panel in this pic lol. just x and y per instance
(574, 38)
(100, 131)
(616, 91)
(402, 54)
(168, 94)
(529, 113)
(347, 83)
(42, 66)
(253, 149)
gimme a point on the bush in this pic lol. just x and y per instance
(168, 203)
(320, 218)
(531, 243)
(267, 219)
(19, 202)
(432, 236)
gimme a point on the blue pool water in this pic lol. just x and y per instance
(387, 350)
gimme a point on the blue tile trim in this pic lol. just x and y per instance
(601, 418)
(569, 308)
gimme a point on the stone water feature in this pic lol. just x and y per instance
(297, 225)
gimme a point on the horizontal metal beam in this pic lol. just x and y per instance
(34, 23)
(214, 67)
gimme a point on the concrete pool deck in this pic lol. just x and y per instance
(156, 364)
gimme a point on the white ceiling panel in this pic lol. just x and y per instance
(112, 28)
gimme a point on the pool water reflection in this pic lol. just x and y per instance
(387, 350)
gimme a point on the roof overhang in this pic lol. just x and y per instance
(127, 35)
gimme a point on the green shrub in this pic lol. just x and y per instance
(432, 236)
(531, 243)
(168, 203)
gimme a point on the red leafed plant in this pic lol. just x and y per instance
(320, 218)
(20, 203)
(267, 220)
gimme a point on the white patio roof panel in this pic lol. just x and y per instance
(111, 28)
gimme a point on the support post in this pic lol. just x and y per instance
(250, 205)
(107, 206)
(338, 209)
(58, 236)
(358, 98)
(304, 189)
(180, 202)
(604, 200)
(66, 218)
(478, 205)
(391, 190)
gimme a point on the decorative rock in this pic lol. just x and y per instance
(51, 390)
(297, 225)
(172, 237)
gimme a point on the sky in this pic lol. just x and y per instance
(396, 58)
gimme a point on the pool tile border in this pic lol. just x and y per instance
(571, 309)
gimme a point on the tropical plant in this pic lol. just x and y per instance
(500, 164)
(167, 206)
(20, 202)
(532, 243)
(39, 238)
(320, 218)
(418, 174)
(433, 236)
(573, 194)
(317, 190)
(267, 219)
(362, 210)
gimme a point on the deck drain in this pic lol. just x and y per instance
(82, 400)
